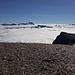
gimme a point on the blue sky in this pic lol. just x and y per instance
(37, 11)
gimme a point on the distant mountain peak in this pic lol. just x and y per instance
(28, 23)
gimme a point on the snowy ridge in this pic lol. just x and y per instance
(38, 33)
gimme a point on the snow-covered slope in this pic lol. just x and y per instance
(38, 33)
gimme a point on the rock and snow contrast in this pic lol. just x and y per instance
(33, 33)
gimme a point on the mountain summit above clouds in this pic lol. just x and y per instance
(28, 23)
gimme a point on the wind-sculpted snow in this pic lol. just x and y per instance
(38, 33)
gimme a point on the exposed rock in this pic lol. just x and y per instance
(65, 38)
(36, 59)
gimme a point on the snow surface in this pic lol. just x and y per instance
(31, 34)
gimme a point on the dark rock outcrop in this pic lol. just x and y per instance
(65, 38)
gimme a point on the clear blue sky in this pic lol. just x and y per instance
(37, 11)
